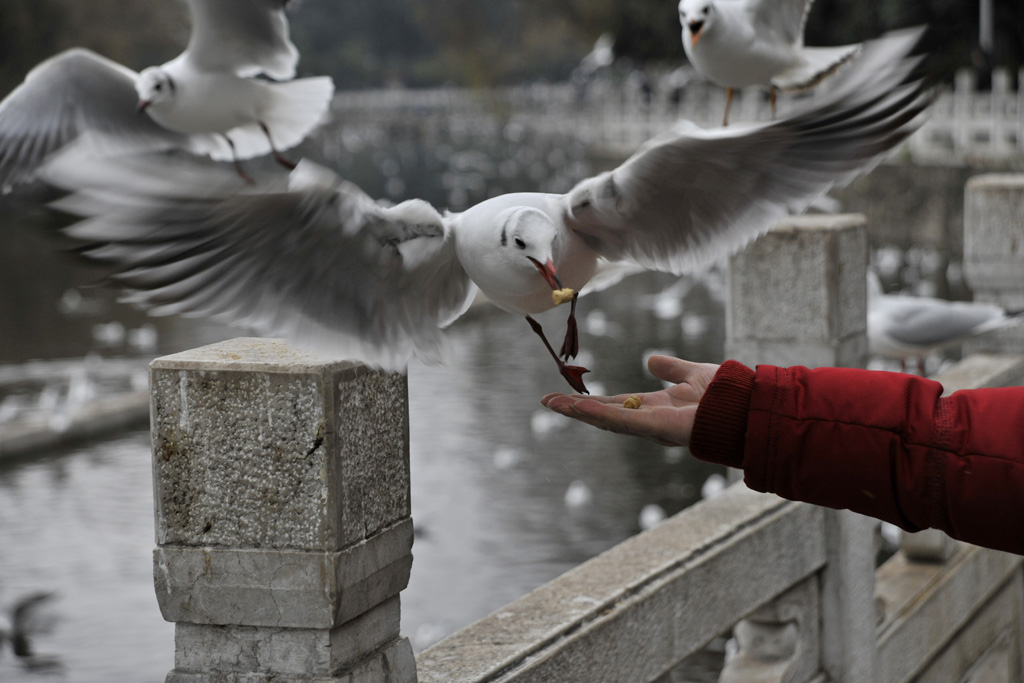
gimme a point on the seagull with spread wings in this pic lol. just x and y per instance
(207, 100)
(740, 43)
(320, 262)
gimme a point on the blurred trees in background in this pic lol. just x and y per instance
(469, 42)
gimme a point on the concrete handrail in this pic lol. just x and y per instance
(635, 611)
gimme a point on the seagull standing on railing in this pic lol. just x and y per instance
(319, 261)
(207, 100)
(740, 43)
(901, 326)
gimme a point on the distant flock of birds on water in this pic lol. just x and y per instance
(304, 254)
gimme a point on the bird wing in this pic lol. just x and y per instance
(318, 262)
(693, 196)
(74, 92)
(246, 37)
(783, 19)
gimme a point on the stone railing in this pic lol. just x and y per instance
(964, 125)
(284, 537)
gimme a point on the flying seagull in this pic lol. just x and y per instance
(322, 263)
(740, 43)
(207, 100)
(901, 326)
(24, 621)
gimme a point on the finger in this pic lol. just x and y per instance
(675, 370)
(564, 405)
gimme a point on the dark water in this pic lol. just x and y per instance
(505, 495)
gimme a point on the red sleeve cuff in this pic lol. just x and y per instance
(719, 429)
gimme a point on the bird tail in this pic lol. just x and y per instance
(291, 111)
(818, 63)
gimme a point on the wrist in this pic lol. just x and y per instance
(720, 425)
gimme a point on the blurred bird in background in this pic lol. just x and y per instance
(741, 43)
(901, 327)
(208, 100)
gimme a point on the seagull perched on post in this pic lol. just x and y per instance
(901, 326)
(207, 100)
(319, 261)
(739, 43)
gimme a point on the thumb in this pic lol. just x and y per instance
(675, 370)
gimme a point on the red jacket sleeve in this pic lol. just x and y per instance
(879, 443)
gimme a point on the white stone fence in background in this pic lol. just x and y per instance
(965, 124)
(284, 534)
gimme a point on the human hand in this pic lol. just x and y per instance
(665, 417)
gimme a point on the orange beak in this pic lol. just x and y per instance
(548, 272)
(695, 28)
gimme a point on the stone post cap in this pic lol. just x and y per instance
(996, 181)
(819, 221)
(257, 445)
(251, 354)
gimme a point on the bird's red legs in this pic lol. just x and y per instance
(728, 103)
(571, 345)
(573, 374)
(277, 155)
(238, 165)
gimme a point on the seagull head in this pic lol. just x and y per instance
(694, 16)
(153, 86)
(526, 242)
(510, 251)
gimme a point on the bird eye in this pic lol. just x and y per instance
(520, 243)
(159, 86)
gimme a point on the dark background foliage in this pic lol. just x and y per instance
(472, 42)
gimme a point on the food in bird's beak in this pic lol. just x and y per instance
(633, 402)
(560, 296)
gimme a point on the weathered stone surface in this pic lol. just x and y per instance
(282, 588)
(392, 664)
(284, 536)
(635, 611)
(257, 445)
(797, 295)
(994, 237)
(249, 649)
(994, 253)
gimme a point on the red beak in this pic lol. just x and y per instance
(142, 106)
(695, 29)
(548, 272)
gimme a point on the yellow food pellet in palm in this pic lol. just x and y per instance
(560, 296)
(633, 402)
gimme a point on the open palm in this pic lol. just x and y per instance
(665, 417)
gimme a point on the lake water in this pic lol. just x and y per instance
(505, 495)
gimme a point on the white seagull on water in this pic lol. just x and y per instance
(322, 263)
(207, 100)
(740, 43)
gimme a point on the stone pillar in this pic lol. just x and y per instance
(283, 529)
(797, 296)
(994, 253)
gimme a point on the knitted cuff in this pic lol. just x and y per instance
(719, 429)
